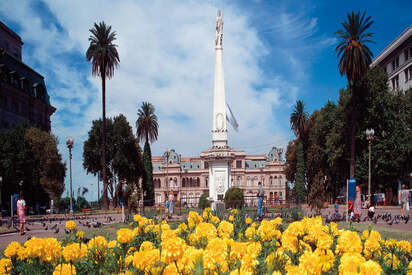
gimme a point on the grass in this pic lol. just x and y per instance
(386, 233)
(108, 231)
(5, 229)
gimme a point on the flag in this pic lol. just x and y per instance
(231, 118)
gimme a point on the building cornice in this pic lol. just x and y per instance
(392, 46)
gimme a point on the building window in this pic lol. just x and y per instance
(248, 182)
(270, 180)
(407, 54)
(238, 164)
(406, 71)
(183, 182)
(395, 82)
(395, 63)
(206, 165)
(207, 181)
(238, 181)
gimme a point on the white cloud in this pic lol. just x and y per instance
(167, 58)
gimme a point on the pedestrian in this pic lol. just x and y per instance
(21, 212)
(371, 211)
(260, 200)
(404, 201)
(357, 204)
(167, 208)
(336, 206)
(280, 198)
(171, 203)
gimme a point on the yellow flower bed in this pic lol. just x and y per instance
(235, 245)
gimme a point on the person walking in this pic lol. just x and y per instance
(21, 212)
(357, 206)
(171, 203)
(260, 200)
(404, 201)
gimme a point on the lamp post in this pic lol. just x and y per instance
(369, 136)
(69, 144)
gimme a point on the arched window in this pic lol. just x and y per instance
(175, 181)
(190, 182)
(198, 182)
(183, 182)
(238, 181)
(270, 180)
(247, 181)
(207, 181)
(276, 180)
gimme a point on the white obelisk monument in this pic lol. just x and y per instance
(219, 157)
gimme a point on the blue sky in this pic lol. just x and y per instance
(275, 52)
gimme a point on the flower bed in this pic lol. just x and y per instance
(206, 245)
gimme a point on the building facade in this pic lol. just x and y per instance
(23, 93)
(188, 177)
(396, 61)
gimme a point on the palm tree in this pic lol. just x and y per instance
(103, 54)
(298, 120)
(355, 57)
(147, 130)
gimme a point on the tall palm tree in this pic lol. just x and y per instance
(103, 54)
(298, 120)
(355, 57)
(147, 130)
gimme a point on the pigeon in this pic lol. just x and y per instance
(44, 224)
(54, 226)
(56, 231)
(27, 229)
(28, 238)
(406, 219)
(375, 220)
(66, 231)
(47, 228)
(364, 220)
(391, 222)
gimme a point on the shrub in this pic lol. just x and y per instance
(203, 201)
(82, 203)
(234, 198)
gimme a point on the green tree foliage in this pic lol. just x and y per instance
(103, 54)
(51, 168)
(82, 203)
(389, 113)
(147, 131)
(204, 201)
(234, 198)
(299, 186)
(317, 194)
(28, 167)
(147, 182)
(123, 153)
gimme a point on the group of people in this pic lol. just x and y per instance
(354, 209)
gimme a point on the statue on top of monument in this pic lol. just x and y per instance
(219, 29)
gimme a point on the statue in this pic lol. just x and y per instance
(279, 153)
(219, 29)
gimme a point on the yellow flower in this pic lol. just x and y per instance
(350, 263)
(390, 259)
(6, 266)
(124, 235)
(248, 220)
(70, 225)
(309, 263)
(74, 251)
(66, 269)
(404, 246)
(370, 268)
(231, 218)
(97, 243)
(80, 235)
(409, 268)
(12, 250)
(234, 211)
(349, 241)
(144, 260)
(225, 229)
(172, 249)
(146, 245)
(215, 255)
(112, 244)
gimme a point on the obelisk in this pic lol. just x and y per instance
(219, 156)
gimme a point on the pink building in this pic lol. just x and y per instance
(188, 177)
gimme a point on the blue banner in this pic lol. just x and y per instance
(351, 189)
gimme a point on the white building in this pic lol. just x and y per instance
(396, 60)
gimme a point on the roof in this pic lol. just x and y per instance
(392, 46)
(24, 70)
(11, 33)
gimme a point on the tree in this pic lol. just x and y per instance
(298, 120)
(103, 54)
(124, 157)
(30, 163)
(147, 130)
(299, 186)
(51, 168)
(355, 57)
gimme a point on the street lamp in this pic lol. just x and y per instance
(369, 136)
(69, 144)
(167, 171)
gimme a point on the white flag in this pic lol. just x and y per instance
(231, 118)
